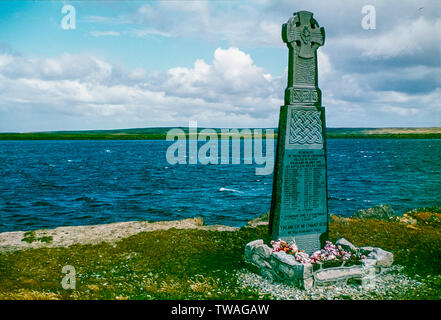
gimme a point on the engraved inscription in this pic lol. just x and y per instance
(304, 72)
(305, 127)
(304, 198)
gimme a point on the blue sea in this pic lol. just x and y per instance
(45, 184)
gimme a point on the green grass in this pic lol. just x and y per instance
(171, 264)
(201, 264)
(30, 237)
(417, 249)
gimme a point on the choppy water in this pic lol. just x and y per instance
(45, 184)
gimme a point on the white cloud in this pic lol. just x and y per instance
(66, 66)
(106, 20)
(237, 69)
(325, 68)
(271, 30)
(84, 92)
(229, 91)
(142, 33)
(104, 33)
(408, 37)
(400, 110)
(237, 23)
(231, 78)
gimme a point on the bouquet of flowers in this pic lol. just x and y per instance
(290, 248)
(330, 253)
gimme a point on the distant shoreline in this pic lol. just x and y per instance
(161, 133)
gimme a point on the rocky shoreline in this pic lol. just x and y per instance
(94, 234)
(65, 236)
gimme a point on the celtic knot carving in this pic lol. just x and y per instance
(306, 35)
(303, 95)
(305, 127)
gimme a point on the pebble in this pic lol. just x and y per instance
(385, 284)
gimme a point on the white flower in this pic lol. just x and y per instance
(293, 245)
(331, 257)
(317, 253)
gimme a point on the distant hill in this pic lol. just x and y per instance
(159, 133)
(407, 133)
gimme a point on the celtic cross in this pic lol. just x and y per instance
(299, 205)
(303, 36)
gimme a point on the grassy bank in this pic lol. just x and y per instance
(203, 264)
(161, 133)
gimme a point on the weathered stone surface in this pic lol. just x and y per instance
(345, 244)
(280, 266)
(303, 36)
(384, 258)
(307, 270)
(335, 274)
(299, 202)
(267, 274)
(285, 258)
(308, 283)
(369, 270)
(254, 243)
(260, 261)
(296, 271)
(263, 251)
(288, 271)
(369, 262)
(381, 212)
(274, 262)
(251, 246)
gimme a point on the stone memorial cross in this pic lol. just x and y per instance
(299, 209)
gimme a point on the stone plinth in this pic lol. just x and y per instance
(283, 267)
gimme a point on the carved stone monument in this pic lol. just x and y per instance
(299, 208)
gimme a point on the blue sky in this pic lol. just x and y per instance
(221, 63)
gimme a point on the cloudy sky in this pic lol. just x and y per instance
(222, 63)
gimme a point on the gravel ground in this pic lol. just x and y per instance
(387, 285)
